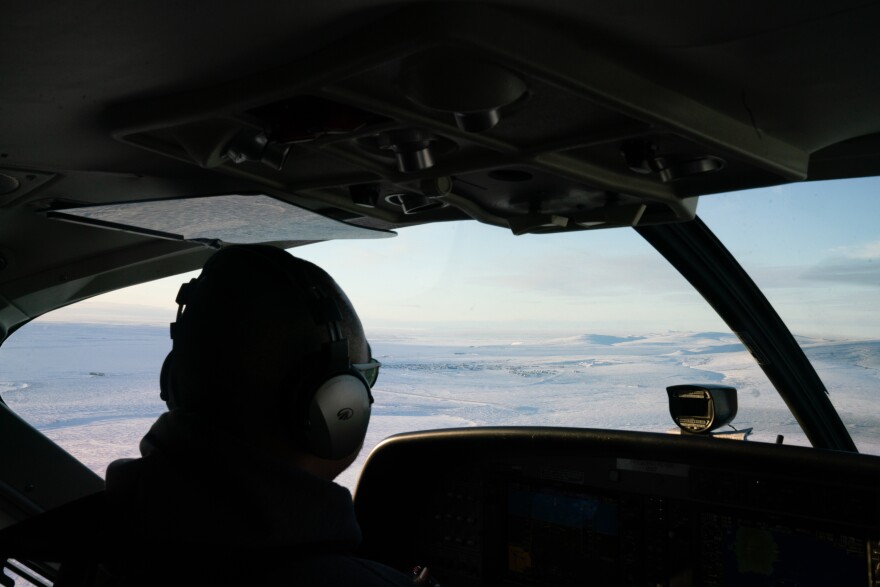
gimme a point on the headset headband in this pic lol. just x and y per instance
(324, 309)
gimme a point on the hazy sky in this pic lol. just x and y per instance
(813, 248)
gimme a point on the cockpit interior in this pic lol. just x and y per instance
(139, 138)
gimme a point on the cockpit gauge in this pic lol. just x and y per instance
(701, 408)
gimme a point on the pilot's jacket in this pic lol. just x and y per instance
(256, 519)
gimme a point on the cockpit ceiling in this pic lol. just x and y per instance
(440, 112)
(535, 117)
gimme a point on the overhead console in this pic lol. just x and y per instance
(552, 506)
(457, 111)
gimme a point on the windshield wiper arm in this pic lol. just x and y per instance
(705, 262)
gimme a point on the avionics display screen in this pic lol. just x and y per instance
(740, 552)
(690, 407)
(552, 535)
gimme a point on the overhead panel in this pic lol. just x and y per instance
(458, 111)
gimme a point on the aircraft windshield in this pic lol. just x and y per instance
(474, 326)
(814, 250)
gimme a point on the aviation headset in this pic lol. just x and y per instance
(331, 410)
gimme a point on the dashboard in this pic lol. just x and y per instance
(556, 506)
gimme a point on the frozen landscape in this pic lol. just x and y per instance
(93, 389)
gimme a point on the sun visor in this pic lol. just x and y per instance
(233, 219)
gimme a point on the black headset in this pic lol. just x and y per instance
(331, 410)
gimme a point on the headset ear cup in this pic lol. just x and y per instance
(338, 415)
(166, 391)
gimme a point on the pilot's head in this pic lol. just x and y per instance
(263, 349)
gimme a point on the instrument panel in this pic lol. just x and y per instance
(553, 506)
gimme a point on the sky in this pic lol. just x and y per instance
(813, 248)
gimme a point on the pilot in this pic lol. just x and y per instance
(268, 389)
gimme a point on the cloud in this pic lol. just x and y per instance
(855, 271)
(102, 311)
(855, 265)
(850, 265)
(866, 251)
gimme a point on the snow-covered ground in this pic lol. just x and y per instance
(94, 389)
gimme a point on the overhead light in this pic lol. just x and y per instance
(254, 145)
(411, 147)
(412, 203)
(642, 156)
